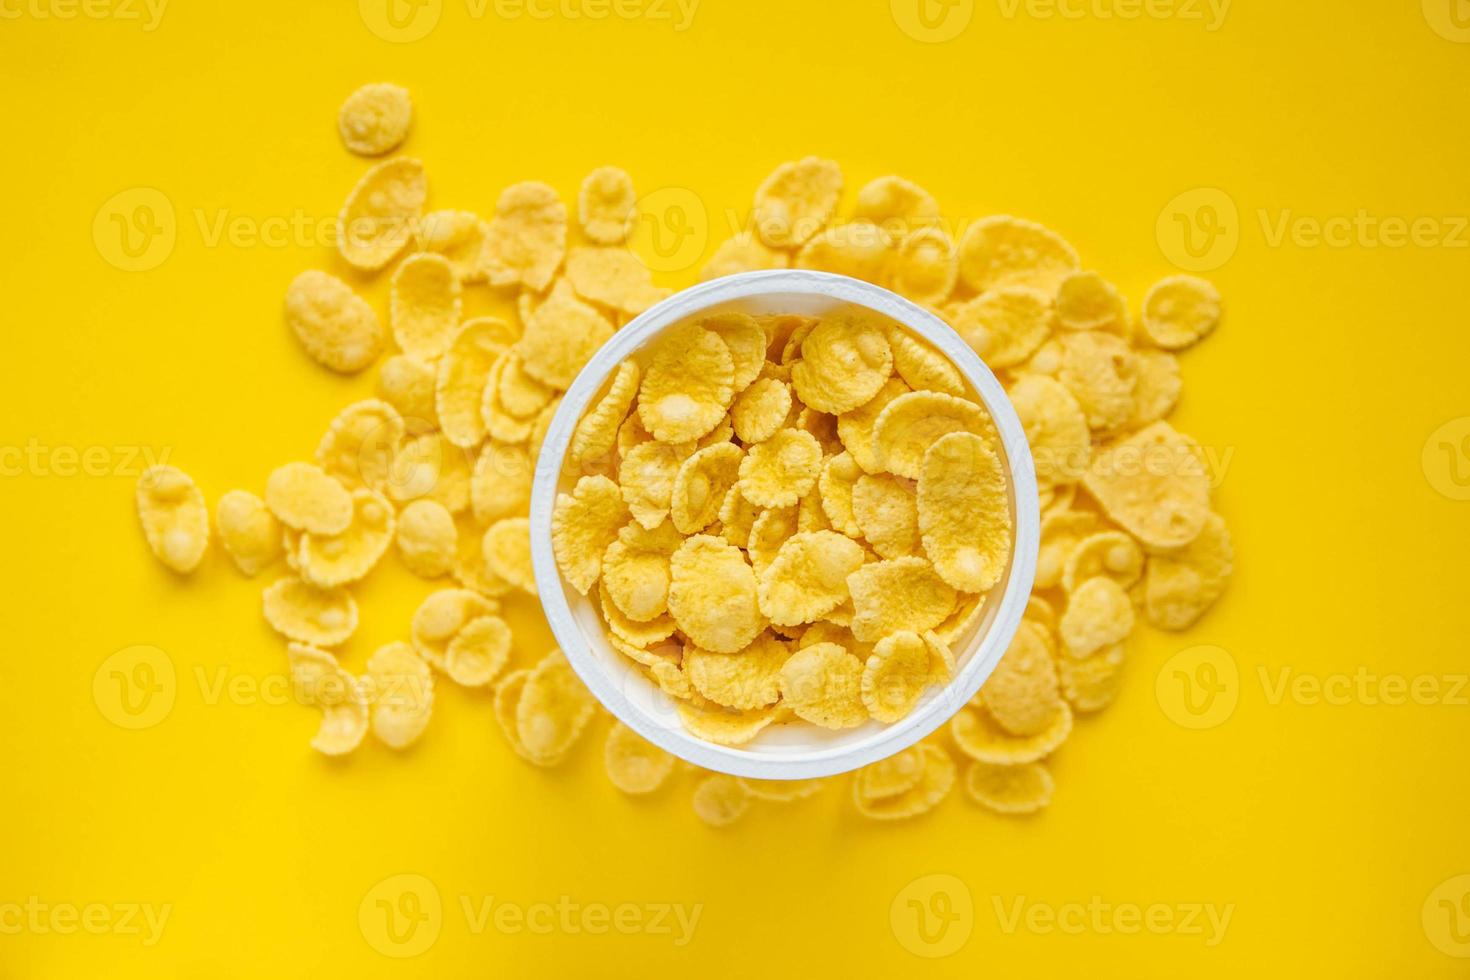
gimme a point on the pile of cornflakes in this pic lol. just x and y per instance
(746, 560)
(832, 490)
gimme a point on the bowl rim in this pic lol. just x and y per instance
(931, 712)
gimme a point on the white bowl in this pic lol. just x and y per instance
(798, 750)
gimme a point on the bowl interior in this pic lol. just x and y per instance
(797, 750)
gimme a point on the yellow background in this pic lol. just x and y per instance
(1326, 827)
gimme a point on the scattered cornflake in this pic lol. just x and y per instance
(401, 697)
(527, 238)
(720, 800)
(174, 516)
(796, 201)
(250, 533)
(425, 304)
(375, 118)
(378, 219)
(317, 679)
(337, 327)
(1180, 310)
(789, 518)
(607, 205)
(1010, 789)
(634, 765)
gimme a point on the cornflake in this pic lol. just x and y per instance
(1007, 251)
(688, 384)
(463, 373)
(748, 679)
(459, 236)
(301, 611)
(808, 577)
(560, 337)
(844, 361)
(359, 446)
(936, 778)
(336, 327)
(427, 538)
(796, 201)
(174, 517)
(712, 594)
(250, 533)
(424, 305)
(743, 253)
(375, 118)
(781, 470)
(318, 680)
(963, 513)
(328, 561)
(896, 203)
(822, 683)
(527, 237)
(1010, 789)
(911, 423)
(1180, 310)
(635, 766)
(377, 221)
(305, 498)
(607, 205)
(401, 698)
